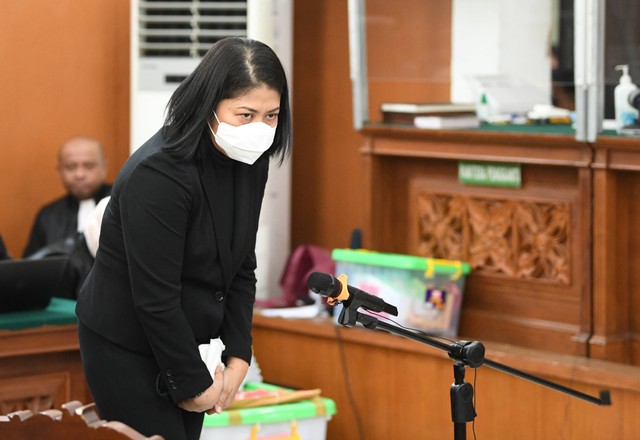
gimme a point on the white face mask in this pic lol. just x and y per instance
(244, 143)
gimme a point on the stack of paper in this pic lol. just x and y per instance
(446, 122)
(404, 112)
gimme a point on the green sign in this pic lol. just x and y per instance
(490, 174)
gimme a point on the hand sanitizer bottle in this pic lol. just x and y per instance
(482, 108)
(625, 114)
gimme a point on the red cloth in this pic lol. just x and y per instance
(304, 260)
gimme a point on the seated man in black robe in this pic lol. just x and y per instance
(82, 169)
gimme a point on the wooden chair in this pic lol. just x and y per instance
(74, 421)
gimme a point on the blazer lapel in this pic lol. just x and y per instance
(222, 221)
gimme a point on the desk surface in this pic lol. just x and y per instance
(59, 312)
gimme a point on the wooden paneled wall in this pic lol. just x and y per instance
(328, 172)
(65, 71)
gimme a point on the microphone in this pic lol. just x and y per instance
(634, 99)
(337, 290)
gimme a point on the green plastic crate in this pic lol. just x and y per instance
(428, 292)
(306, 418)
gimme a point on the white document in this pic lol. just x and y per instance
(508, 95)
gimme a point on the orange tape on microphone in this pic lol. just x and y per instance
(344, 292)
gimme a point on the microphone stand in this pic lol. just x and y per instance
(464, 354)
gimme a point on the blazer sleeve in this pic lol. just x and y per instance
(154, 208)
(238, 315)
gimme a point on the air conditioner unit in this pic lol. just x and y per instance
(168, 39)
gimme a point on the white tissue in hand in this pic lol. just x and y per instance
(211, 354)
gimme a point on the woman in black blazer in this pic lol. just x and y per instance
(176, 264)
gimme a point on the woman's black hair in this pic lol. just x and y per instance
(230, 68)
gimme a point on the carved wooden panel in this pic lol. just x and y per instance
(34, 393)
(522, 239)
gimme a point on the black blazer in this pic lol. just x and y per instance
(176, 262)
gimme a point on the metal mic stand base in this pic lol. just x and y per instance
(464, 353)
(462, 410)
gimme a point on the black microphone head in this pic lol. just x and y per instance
(634, 99)
(322, 283)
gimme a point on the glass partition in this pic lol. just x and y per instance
(526, 65)
(621, 48)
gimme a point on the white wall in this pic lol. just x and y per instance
(510, 37)
(271, 21)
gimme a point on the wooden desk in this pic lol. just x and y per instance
(528, 247)
(40, 365)
(401, 387)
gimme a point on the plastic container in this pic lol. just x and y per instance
(427, 292)
(625, 113)
(303, 420)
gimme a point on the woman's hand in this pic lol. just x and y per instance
(234, 374)
(208, 399)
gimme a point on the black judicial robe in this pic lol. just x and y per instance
(58, 221)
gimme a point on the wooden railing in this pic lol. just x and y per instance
(73, 421)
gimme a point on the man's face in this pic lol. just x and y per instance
(82, 168)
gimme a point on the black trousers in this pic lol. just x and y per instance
(123, 385)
